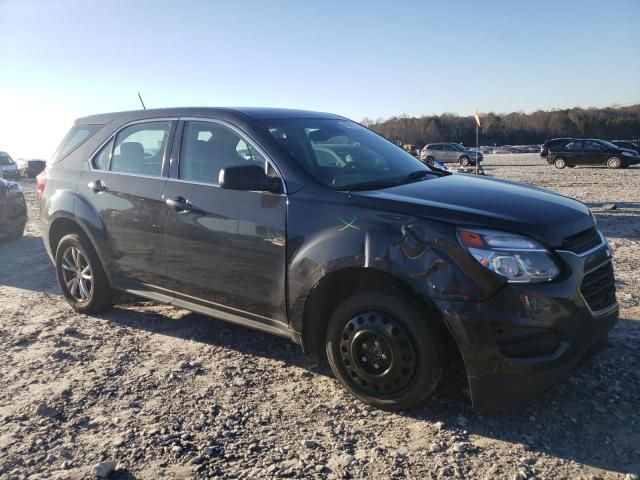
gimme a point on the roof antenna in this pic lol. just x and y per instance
(140, 97)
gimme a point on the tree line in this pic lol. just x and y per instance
(518, 128)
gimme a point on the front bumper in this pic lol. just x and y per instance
(527, 338)
(628, 161)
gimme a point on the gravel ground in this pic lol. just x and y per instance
(149, 391)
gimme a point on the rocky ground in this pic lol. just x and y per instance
(148, 391)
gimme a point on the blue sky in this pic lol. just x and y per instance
(64, 59)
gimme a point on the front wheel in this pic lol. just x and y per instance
(80, 274)
(464, 161)
(429, 161)
(560, 163)
(384, 350)
(614, 162)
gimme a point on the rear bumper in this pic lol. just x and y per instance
(526, 339)
(11, 175)
(13, 215)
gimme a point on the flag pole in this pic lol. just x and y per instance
(477, 117)
(476, 148)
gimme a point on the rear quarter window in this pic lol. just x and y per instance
(73, 139)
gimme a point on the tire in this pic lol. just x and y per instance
(614, 162)
(559, 163)
(398, 357)
(464, 161)
(429, 161)
(17, 235)
(81, 276)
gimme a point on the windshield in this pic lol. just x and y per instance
(342, 154)
(5, 159)
(608, 144)
(458, 147)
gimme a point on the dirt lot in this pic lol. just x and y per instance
(164, 393)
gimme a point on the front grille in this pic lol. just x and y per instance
(583, 241)
(598, 288)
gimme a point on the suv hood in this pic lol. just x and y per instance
(487, 202)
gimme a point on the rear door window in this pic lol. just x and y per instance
(103, 158)
(74, 138)
(139, 149)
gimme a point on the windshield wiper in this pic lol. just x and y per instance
(368, 186)
(417, 174)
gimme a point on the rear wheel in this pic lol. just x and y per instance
(614, 162)
(81, 276)
(559, 163)
(384, 351)
(464, 161)
(429, 161)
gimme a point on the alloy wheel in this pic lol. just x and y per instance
(77, 274)
(614, 162)
(378, 353)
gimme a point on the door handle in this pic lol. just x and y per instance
(180, 204)
(97, 186)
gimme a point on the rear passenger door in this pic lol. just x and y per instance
(436, 151)
(448, 153)
(226, 249)
(124, 185)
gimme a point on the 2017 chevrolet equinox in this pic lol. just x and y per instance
(310, 226)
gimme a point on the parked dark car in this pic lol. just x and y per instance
(30, 168)
(449, 153)
(8, 168)
(324, 232)
(13, 210)
(591, 152)
(552, 143)
(626, 144)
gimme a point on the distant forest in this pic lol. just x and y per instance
(614, 123)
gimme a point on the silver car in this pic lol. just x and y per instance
(8, 168)
(449, 153)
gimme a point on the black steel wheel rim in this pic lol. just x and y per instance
(376, 351)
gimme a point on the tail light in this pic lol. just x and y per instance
(41, 181)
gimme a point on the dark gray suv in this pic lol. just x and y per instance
(310, 226)
(449, 153)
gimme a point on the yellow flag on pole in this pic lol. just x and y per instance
(477, 117)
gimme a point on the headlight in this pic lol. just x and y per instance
(14, 187)
(629, 154)
(517, 258)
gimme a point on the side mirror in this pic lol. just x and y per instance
(250, 178)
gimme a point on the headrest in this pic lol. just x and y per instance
(224, 137)
(132, 150)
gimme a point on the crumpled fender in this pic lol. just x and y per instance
(423, 253)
